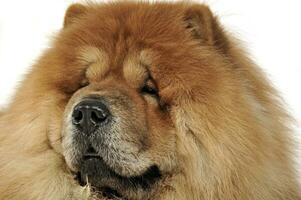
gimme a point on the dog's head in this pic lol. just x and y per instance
(135, 84)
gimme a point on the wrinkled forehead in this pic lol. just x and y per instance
(133, 67)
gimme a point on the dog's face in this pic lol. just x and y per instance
(117, 130)
(123, 77)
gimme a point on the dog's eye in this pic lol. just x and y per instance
(149, 88)
(84, 83)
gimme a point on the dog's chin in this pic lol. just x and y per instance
(102, 179)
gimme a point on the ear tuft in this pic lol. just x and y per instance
(74, 12)
(203, 26)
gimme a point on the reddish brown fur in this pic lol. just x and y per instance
(232, 139)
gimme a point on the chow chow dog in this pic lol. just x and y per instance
(138, 101)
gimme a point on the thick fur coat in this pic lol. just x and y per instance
(216, 128)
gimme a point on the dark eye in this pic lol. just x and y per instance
(149, 88)
(84, 83)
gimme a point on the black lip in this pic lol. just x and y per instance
(105, 180)
(90, 155)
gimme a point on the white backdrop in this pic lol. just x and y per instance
(271, 30)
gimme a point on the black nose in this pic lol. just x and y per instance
(90, 114)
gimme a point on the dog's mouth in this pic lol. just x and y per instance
(105, 181)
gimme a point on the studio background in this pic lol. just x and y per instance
(270, 30)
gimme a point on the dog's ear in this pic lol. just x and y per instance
(204, 26)
(74, 12)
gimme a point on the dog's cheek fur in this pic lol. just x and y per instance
(230, 141)
(32, 166)
(229, 125)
